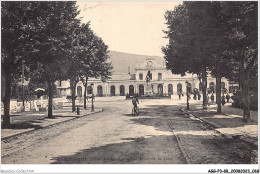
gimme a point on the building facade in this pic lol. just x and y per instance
(149, 78)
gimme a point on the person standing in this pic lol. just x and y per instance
(227, 97)
(195, 96)
(208, 100)
(212, 97)
(223, 100)
(134, 102)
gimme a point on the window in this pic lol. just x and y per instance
(140, 76)
(179, 89)
(212, 87)
(189, 88)
(89, 90)
(159, 76)
(223, 85)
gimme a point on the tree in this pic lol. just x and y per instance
(220, 63)
(95, 63)
(216, 37)
(86, 59)
(73, 63)
(189, 41)
(36, 32)
(13, 41)
(55, 21)
(231, 33)
(243, 45)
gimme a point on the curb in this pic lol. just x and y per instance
(214, 125)
(47, 126)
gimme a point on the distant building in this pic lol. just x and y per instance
(149, 77)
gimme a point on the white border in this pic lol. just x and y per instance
(131, 168)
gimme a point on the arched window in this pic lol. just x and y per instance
(99, 91)
(223, 85)
(189, 88)
(131, 90)
(141, 89)
(112, 90)
(179, 89)
(122, 90)
(160, 89)
(170, 89)
(212, 87)
(89, 90)
(79, 91)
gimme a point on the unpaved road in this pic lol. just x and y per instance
(160, 134)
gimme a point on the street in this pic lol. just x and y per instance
(161, 134)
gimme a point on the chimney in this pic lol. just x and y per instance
(129, 70)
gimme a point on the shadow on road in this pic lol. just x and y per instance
(152, 150)
(25, 125)
(164, 149)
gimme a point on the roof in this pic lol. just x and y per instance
(121, 76)
(150, 64)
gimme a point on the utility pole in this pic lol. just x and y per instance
(23, 80)
(187, 93)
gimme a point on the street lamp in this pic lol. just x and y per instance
(188, 107)
(92, 107)
(23, 80)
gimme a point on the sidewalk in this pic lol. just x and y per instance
(25, 122)
(229, 123)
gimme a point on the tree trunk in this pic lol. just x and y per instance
(73, 95)
(7, 96)
(244, 81)
(50, 102)
(218, 91)
(246, 96)
(204, 88)
(85, 93)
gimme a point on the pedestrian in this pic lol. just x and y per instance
(212, 97)
(179, 96)
(223, 100)
(195, 96)
(127, 96)
(208, 100)
(188, 96)
(199, 96)
(227, 97)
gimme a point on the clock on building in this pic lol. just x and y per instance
(149, 63)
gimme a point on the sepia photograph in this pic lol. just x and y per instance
(134, 82)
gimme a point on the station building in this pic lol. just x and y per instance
(161, 82)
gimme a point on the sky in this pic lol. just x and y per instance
(130, 27)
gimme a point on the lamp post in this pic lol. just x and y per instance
(92, 107)
(23, 80)
(188, 107)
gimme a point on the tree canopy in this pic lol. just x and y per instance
(217, 37)
(53, 44)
